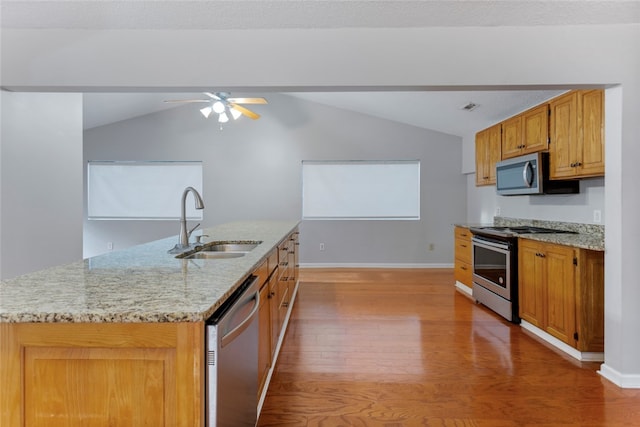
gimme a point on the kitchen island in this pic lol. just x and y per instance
(118, 339)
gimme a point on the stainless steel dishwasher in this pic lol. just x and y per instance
(232, 359)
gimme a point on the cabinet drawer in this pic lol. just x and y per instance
(463, 250)
(462, 233)
(463, 272)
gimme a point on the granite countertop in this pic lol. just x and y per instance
(579, 240)
(584, 236)
(140, 284)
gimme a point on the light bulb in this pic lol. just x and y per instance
(218, 107)
(223, 118)
(235, 113)
(206, 111)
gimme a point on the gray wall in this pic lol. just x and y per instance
(252, 170)
(41, 181)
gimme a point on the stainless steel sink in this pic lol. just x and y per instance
(222, 250)
(230, 247)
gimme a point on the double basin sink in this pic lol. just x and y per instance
(221, 250)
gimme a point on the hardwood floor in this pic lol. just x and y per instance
(402, 348)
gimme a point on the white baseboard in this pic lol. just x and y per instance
(464, 289)
(619, 379)
(374, 265)
(582, 356)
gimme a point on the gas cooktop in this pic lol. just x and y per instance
(513, 231)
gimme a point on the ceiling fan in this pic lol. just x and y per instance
(223, 105)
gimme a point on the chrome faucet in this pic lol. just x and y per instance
(183, 243)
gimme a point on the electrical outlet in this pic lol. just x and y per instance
(322, 246)
(497, 210)
(110, 246)
(597, 216)
(431, 246)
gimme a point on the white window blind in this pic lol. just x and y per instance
(141, 190)
(361, 189)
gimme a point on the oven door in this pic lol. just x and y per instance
(492, 266)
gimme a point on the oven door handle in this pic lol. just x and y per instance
(491, 245)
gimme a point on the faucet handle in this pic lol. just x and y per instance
(199, 237)
(191, 231)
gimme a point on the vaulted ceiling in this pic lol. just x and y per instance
(438, 110)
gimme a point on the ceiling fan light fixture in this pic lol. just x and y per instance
(235, 113)
(218, 107)
(206, 112)
(223, 118)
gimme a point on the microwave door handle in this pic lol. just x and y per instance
(527, 174)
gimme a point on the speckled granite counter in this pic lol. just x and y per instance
(139, 284)
(587, 236)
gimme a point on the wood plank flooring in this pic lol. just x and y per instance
(402, 348)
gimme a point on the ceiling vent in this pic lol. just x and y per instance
(469, 107)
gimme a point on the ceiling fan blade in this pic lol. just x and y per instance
(245, 111)
(213, 96)
(176, 101)
(247, 100)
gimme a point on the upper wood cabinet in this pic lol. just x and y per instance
(487, 154)
(526, 133)
(577, 135)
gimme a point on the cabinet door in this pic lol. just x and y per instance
(488, 153)
(563, 150)
(274, 311)
(89, 374)
(560, 297)
(590, 301)
(531, 282)
(494, 151)
(482, 175)
(512, 137)
(264, 337)
(535, 129)
(592, 133)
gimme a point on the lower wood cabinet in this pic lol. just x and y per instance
(133, 374)
(463, 269)
(561, 291)
(275, 300)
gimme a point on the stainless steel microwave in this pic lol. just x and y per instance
(529, 174)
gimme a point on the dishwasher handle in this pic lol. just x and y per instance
(232, 334)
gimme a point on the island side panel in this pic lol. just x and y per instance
(69, 373)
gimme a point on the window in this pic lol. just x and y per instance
(141, 190)
(361, 189)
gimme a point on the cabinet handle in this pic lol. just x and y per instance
(464, 234)
(463, 267)
(578, 163)
(464, 246)
(540, 255)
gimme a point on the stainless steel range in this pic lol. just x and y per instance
(495, 267)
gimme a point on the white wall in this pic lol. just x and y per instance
(252, 170)
(484, 204)
(542, 56)
(41, 181)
